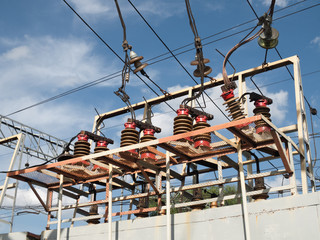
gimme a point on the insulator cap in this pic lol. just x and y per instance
(102, 144)
(183, 111)
(131, 125)
(83, 137)
(149, 132)
(261, 103)
(201, 118)
(227, 95)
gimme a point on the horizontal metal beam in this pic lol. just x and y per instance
(186, 91)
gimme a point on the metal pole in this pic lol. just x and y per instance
(297, 87)
(17, 182)
(168, 195)
(49, 205)
(220, 201)
(20, 138)
(243, 193)
(293, 176)
(110, 204)
(60, 207)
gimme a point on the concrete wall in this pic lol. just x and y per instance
(284, 218)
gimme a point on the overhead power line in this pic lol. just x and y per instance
(111, 76)
(175, 57)
(105, 43)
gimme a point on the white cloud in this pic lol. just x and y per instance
(17, 53)
(279, 3)
(316, 41)
(100, 8)
(92, 7)
(34, 69)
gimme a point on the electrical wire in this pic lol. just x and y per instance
(125, 75)
(95, 82)
(98, 81)
(253, 9)
(151, 28)
(223, 31)
(230, 35)
(104, 42)
(199, 55)
(274, 83)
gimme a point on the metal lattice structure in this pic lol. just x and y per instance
(37, 144)
(24, 140)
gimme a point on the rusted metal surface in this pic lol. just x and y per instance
(77, 171)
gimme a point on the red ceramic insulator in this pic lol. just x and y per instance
(202, 143)
(83, 137)
(227, 95)
(263, 129)
(148, 155)
(130, 125)
(183, 111)
(201, 118)
(102, 143)
(261, 103)
(149, 132)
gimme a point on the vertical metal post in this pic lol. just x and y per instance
(49, 205)
(168, 195)
(17, 183)
(243, 193)
(20, 142)
(76, 208)
(249, 172)
(293, 176)
(159, 187)
(131, 203)
(60, 207)
(110, 203)
(302, 127)
(220, 177)
(121, 202)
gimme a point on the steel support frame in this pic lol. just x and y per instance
(287, 157)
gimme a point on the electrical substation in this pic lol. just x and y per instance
(154, 187)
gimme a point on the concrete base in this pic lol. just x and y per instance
(19, 236)
(292, 218)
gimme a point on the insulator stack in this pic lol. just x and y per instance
(183, 122)
(100, 147)
(129, 135)
(233, 105)
(148, 136)
(207, 69)
(201, 140)
(82, 147)
(261, 108)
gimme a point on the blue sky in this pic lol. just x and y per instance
(46, 50)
